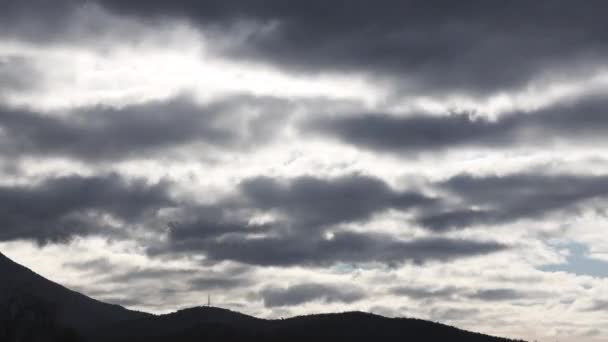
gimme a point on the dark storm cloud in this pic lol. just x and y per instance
(59, 208)
(64, 23)
(290, 250)
(311, 202)
(36, 20)
(136, 131)
(196, 227)
(305, 205)
(582, 121)
(456, 218)
(429, 46)
(508, 198)
(386, 133)
(477, 46)
(307, 208)
(200, 223)
(304, 293)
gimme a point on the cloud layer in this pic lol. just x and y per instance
(410, 158)
(60, 208)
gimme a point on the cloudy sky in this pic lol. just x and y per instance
(430, 159)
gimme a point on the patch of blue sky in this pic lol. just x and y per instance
(579, 262)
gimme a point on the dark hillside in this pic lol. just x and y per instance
(20, 288)
(34, 309)
(210, 324)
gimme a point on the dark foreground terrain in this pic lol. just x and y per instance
(34, 309)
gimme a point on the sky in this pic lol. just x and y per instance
(432, 159)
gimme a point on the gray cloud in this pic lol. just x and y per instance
(582, 121)
(12, 74)
(475, 47)
(124, 301)
(426, 293)
(304, 293)
(509, 198)
(311, 202)
(419, 47)
(137, 131)
(194, 225)
(426, 47)
(151, 286)
(36, 20)
(453, 314)
(72, 22)
(308, 208)
(451, 293)
(478, 46)
(498, 295)
(59, 208)
(403, 136)
(133, 275)
(228, 277)
(217, 283)
(598, 305)
(97, 265)
(461, 218)
(289, 250)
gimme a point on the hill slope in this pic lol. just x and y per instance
(33, 308)
(27, 295)
(213, 324)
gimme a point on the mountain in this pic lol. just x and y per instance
(185, 325)
(29, 299)
(214, 324)
(34, 309)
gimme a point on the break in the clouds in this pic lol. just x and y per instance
(432, 159)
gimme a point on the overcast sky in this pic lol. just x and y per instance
(433, 159)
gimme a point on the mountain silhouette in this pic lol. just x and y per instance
(214, 324)
(28, 299)
(34, 309)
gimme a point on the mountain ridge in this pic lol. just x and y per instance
(31, 304)
(22, 286)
